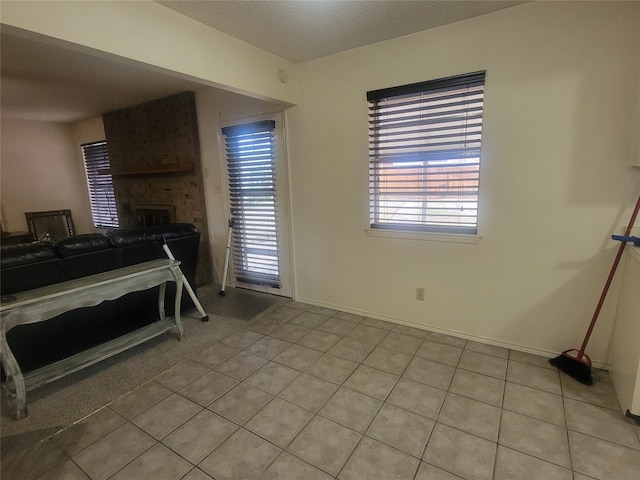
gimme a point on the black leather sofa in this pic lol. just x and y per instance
(32, 265)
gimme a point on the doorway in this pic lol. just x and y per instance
(257, 195)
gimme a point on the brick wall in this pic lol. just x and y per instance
(154, 150)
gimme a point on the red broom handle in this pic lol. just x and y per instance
(609, 280)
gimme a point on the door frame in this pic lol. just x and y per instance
(285, 247)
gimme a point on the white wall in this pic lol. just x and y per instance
(41, 169)
(555, 182)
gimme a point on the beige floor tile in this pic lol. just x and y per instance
(600, 393)
(351, 409)
(30, 464)
(325, 444)
(287, 312)
(477, 386)
(389, 361)
(337, 326)
(534, 403)
(352, 317)
(272, 378)
(208, 387)
(447, 339)
(381, 324)
(531, 359)
(268, 347)
(323, 311)
(601, 422)
(309, 319)
(367, 334)
(290, 332)
(298, 357)
(412, 331)
(487, 349)
(332, 368)
(417, 398)
(484, 364)
(66, 470)
(183, 373)
(511, 465)
(79, 435)
(401, 429)
(535, 437)
(279, 422)
(373, 460)
(288, 467)
(372, 382)
(602, 459)
(401, 343)
(265, 325)
(461, 453)
(242, 339)
(241, 366)
(196, 474)
(535, 377)
(120, 446)
(199, 436)
(429, 472)
(165, 416)
(471, 416)
(309, 392)
(350, 349)
(298, 305)
(241, 403)
(432, 373)
(140, 399)
(157, 462)
(230, 460)
(440, 352)
(319, 340)
(215, 355)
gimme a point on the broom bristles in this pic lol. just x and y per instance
(573, 367)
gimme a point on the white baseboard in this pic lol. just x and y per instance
(430, 328)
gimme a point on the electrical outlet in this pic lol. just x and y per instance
(420, 294)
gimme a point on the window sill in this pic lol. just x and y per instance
(424, 236)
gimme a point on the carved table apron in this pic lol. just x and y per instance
(41, 304)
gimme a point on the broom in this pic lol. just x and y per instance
(576, 363)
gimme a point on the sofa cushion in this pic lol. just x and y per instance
(126, 238)
(79, 244)
(26, 253)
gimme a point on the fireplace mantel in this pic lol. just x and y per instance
(186, 167)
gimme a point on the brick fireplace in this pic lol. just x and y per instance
(154, 151)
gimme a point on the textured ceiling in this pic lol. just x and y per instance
(304, 30)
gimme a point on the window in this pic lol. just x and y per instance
(101, 197)
(252, 189)
(424, 155)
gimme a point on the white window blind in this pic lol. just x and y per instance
(424, 155)
(101, 196)
(252, 189)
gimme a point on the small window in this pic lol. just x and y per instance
(101, 197)
(424, 155)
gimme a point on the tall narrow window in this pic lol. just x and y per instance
(424, 155)
(252, 189)
(101, 197)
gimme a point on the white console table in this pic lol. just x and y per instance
(47, 302)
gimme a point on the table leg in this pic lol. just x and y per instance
(177, 273)
(163, 289)
(14, 374)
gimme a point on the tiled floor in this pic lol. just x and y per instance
(308, 393)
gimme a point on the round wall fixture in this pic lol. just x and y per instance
(283, 75)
